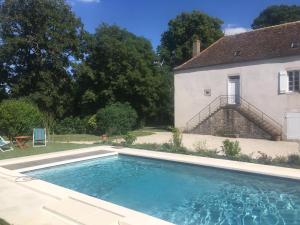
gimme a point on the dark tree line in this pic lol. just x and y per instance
(39, 37)
(277, 14)
(119, 67)
(47, 56)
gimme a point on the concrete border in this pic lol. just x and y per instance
(50, 160)
(66, 162)
(41, 190)
(259, 169)
(267, 170)
(275, 171)
(55, 205)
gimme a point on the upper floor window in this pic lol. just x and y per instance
(294, 80)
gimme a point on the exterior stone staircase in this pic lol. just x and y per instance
(248, 110)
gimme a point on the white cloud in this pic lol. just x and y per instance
(232, 29)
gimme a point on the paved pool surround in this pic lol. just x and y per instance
(36, 202)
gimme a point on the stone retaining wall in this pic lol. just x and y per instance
(229, 122)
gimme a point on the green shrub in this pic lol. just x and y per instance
(200, 146)
(231, 149)
(19, 117)
(181, 150)
(170, 147)
(116, 119)
(293, 159)
(279, 160)
(3, 222)
(244, 158)
(202, 150)
(263, 158)
(166, 147)
(176, 138)
(207, 153)
(148, 146)
(129, 138)
(91, 124)
(71, 125)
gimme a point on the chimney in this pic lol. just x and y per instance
(196, 47)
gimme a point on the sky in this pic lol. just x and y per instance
(149, 18)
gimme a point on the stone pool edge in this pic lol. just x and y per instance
(46, 202)
(128, 216)
(260, 169)
(253, 168)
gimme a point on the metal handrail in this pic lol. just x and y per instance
(204, 108)
(211, 108)
(264, 115)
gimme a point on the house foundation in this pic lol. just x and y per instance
(230, 123)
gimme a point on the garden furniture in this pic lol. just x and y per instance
(39, 137)
(5, 145)
(22, 140)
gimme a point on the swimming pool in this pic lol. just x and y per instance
(181, 193)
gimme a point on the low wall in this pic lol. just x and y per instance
(229, 122)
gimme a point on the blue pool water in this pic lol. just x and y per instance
(181, 193)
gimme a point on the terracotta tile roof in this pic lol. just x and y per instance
(265, 43)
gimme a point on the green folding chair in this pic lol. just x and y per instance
(39, 137)
(5, 145)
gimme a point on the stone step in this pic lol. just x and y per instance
(258, 120)
(82, 213)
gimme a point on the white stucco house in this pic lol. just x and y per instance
(246, 84)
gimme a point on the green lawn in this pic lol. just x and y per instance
(95, 138)
(55, 144)
(2, 222)
(73, 137)
(52, 147)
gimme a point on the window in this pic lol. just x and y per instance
(294, 80)
(295, 45)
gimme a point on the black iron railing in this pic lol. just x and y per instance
(232, 101)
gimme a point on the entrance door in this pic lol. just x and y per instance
(233, 90)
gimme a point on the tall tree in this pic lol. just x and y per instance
(120, 67)
(3, 80)
(277, 14)
(39, 39)
(176, 42)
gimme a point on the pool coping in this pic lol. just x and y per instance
(132, 217)
(260, 169)
(55, 161)
(13, 178)
(252, 168)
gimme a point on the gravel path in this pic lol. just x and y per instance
(248, 146)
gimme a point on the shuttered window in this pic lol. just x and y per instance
(294, 80)
(283, 82)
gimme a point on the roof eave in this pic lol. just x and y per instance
(229, 63)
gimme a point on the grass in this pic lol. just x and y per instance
(74, 137)
(96, 138)
(55, 144)
(51, 147)
(3, 222)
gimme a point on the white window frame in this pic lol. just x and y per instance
(291, 88)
